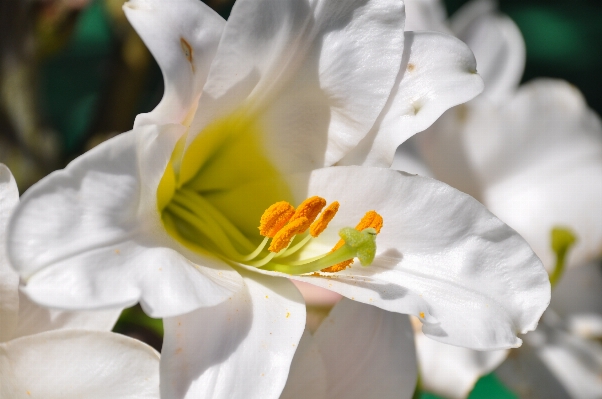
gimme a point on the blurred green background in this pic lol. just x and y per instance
(74, 73)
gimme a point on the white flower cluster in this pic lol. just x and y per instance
(266, 118)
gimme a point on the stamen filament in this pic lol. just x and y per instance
(340, 255)
(265, 260)
(257, 251)
(195, 200)
(207, 228)
(295, 247)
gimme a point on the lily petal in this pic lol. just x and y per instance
(368, 352)
(34, 319)
(577, 299)
(90, 236)
(75, 364)
(308, 374)
(497, 44)
(183, 36)
(9, 280)
(452, 371)
(407, 159)
(440, 253)
(437, 72)
(241, 348)
(426, 15)
(546, 172)
(306, 66)
(554, 365)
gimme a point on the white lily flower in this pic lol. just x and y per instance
(533, 156)
(345, 358)
(167, 215)
(558, 360)
(49, 354)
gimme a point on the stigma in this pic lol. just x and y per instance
(286, 230)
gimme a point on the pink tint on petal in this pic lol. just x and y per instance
(316, 296)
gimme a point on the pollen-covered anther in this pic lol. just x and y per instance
(309, 209)
(286, 234)
(325, 217)
(275, 218)
(370, 220)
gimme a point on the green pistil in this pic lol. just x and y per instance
(563, 240)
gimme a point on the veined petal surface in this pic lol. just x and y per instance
(316, 74)
(437, 72)
(183, 36)
(74, 364)
(440, 253)
(241, 348)
(90, 236)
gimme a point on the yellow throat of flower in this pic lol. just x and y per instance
(202, 207)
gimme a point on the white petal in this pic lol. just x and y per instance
(183, 36)
(440, 252)
(496, 43)
(554, 364)
(543, 169)
(407, 159)
(368, 352)
(578, 300)
(437, 72)
(241, 348)
(34, 319)
(425, 15)
(451, 145)
(452, 371)
(9, 280)
(90, 236)
(308, 374)
(315, 73)
(76, 364)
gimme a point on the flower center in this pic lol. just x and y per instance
(200, 226)
(211, 195)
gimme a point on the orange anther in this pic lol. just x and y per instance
(338, 267)
(286, 234)
(309, 209)
(370, 219)
(320, 225)
(275, 217)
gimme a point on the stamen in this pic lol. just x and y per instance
(320, 225)
(361, 244)
(283, 238)
(370, 220)
(275, 217)
(309, 209)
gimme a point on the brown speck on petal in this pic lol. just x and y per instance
(411, 67)
(187, 50)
